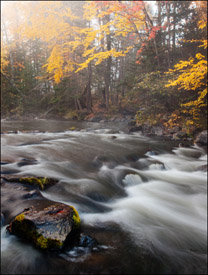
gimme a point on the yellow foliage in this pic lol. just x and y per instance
(4, 60)
(192, 76)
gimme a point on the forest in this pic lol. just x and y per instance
(77, 59)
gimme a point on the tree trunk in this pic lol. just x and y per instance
(174, 25)
(89, 95)
(10, 53)
(154, 40)
(108, 69)
(12, 84)
(75, 104)
(79, 104)
(169, 36)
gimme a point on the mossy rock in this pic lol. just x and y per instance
(41, 182)
(72, 128)
(50, 228)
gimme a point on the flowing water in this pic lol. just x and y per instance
(143, 199)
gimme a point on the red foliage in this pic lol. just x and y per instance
(139, 51)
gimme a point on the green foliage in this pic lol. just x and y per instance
(152, 98)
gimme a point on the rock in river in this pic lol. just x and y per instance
(201, 139)
(41, 182)
(50, 228)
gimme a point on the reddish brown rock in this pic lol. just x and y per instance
(49, 228)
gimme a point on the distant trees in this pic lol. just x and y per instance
(64, 55)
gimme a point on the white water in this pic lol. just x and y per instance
(170, 209)
(164, 203)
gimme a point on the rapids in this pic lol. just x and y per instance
(143, 199)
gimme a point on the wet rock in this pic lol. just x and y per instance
(26, 161)
(3, 163)
(87, 241)
(132, 157)
(201, 138)
(132, 123)
(179, 135)
(147, 128)
(135, 128)
(157, 130)
(50, 228)
(96, 119)
(40, 182)
(2, 219)
(31, 194)
(99, 161)
(202, 168)
(175, 130)
(73, 128)
(127, 112)
(8, 171)
(113, 132)
(151, 153)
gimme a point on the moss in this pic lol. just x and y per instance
(42, 242)
(72, 128)
(37, 181)
(76, 218)
(20, 217)
(47, 243)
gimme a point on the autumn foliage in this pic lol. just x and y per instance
(115, 52)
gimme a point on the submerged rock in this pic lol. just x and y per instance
(202, 168)
(50, 228)
(26, 161)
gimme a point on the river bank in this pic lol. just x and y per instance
(129, 125)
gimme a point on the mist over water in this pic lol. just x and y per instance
(145, 200)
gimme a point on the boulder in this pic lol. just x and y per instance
(127, 112)
(179, 135)
(157, 130)
(49, 228)
(96, 119)
(135, 128)
(175, 130)
(147, 128)
(201, 138)
(132, 123)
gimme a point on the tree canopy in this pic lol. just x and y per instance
(75, 55)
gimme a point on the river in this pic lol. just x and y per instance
(143, 199)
